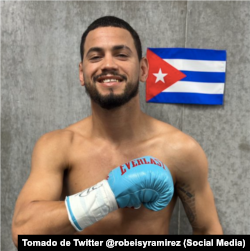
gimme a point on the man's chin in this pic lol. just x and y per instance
(108, 103)
(112, 98)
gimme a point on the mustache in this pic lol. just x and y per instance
(114, 73)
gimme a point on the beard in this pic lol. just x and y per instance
(111, 100)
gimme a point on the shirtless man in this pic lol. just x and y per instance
(76, 159)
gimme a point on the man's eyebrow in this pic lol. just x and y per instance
(115, 48)
(120, 47)
(94, 49)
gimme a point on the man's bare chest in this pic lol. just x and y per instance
(90, 163)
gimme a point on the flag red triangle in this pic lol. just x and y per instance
(156, 63)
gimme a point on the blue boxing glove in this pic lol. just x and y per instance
(145, 180)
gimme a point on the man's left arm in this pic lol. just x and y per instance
(194, 191)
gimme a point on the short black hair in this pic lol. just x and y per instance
(112, 21)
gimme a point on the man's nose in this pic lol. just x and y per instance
(109, 63)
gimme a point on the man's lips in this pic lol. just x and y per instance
(110, 82)
(108, 78)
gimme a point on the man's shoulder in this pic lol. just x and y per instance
(56, 139)
(65, 135)
(182, 148)
(173, 135)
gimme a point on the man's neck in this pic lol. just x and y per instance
(120, 124)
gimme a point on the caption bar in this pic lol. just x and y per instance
(29, 242)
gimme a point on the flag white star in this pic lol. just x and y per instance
(160, 76)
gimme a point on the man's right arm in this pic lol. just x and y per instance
(40, 211)
(39, 208)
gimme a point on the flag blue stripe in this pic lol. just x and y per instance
(188, 98)
(190, 53)
(205, 77)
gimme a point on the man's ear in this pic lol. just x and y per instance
(81, 74)
(144, 69)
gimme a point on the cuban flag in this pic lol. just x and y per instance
(186, 76)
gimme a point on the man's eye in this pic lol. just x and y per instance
(94, 58)
(122, 55)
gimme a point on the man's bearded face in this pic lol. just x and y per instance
(111, 100)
